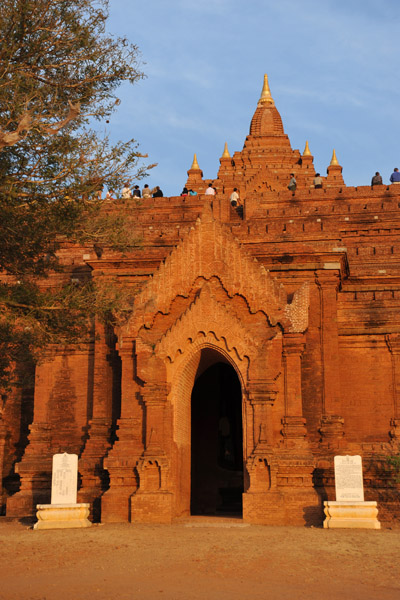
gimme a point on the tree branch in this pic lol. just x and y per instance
(26, 123)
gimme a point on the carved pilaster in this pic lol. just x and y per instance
(261, 467)
(393, 343)
(99, 430)
(130, 423)
(122, 459)
(38, 454)
(155, 399)
(262, 395)
(153, 501)
(294, 424)
(331, 422)
(154, 457)
(91, 464)
(35, 473)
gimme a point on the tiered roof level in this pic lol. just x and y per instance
(265, 164)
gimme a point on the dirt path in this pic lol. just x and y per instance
(198, 560)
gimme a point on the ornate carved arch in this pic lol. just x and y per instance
(210, 250)
(206, 316)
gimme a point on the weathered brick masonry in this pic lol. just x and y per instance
(257, 349)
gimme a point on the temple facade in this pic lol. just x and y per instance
(262, 342)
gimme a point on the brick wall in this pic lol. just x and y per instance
(210, 283)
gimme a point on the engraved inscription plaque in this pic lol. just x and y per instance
(65, 479)
(349, 479)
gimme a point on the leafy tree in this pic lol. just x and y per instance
(59, 72)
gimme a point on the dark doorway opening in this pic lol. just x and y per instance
(217, 442)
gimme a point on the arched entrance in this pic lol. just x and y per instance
(216, 437)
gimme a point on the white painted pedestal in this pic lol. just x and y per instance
(351, 515)
(62, 516)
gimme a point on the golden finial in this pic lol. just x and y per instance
(307, 150)
(195, 164)
(334, 160)
(266, 97)
(226, 152)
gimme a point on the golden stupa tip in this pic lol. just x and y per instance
(266, 97)
(226, 152)
(334, 160)
(195, 164)
(307, 150)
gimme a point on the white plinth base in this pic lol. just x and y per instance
(62, 516)
(351, 515)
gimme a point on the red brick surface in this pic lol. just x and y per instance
(301, 297)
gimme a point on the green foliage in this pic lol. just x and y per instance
(59, 70)
(31, 319)
(394, 462)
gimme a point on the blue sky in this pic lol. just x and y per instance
(332, 66)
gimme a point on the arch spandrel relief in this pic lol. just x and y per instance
(209, 317)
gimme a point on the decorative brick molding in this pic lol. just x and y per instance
(210, 250)
(208, 316)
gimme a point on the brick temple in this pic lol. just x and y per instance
(260, 345)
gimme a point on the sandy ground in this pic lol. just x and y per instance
(200, 558)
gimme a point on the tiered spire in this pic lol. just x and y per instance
(195, 175)
(266, 97)
(226, 152)
(334, 161)
(307, 150)
(195, 164)
(335, 177)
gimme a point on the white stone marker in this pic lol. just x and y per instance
(63, 512)
(64, 483)
(350, 510)
(349, 479)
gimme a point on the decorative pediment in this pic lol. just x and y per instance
(208, 316)
(210, 250)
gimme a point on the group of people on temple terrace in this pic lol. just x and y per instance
(317, 182)
(156, 192)
(376, 180)
(146, 192)
(186, 192)
(394, 178)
